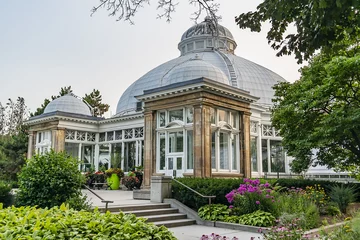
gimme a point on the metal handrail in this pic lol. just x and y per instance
(102, 200)
(209, 197)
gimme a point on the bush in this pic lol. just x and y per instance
(327, 185)
(343, 196)
(64, 223)
(218, 187)
(288, 231)
(49, 180)
(5, 189)
(214, 212)
(332, 209)
(258, 218)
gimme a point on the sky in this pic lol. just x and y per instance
(45, 45)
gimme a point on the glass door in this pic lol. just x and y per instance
(174, 166)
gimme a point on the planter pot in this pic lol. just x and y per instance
(114, 182)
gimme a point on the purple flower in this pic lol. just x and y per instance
(257, 202)
(231, 206)
(267, 185)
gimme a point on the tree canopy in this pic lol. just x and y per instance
(319, 115)
(320, 24)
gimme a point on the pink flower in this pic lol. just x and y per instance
(257, 202)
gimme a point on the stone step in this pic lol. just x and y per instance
(129, 208)
(176, 223)
(165, 217)
(151, 212)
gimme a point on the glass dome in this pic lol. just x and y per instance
(68, 103)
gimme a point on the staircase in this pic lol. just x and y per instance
(161, 214)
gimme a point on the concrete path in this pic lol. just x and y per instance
(123, 197)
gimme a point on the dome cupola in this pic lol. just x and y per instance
(207, 35)
(68, 103)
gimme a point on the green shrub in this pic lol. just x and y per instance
(218, 187)
(79, 202)
(64, 223)
(327, 185)
(251, 202)
(5, 189)
(214, 212)
(312, 217)
(343, 196)
(258, 218)
(288, 218)
(332, 209)
(49, 180)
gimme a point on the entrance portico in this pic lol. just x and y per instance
(197, 128)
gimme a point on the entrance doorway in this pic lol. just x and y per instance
(174, 165)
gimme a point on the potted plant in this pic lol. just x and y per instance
(139, 174)
(113, 177)
(130, 182)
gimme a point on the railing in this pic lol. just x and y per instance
(102, 200)
(203, 196)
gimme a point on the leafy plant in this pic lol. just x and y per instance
(64, 223)
(130, 182)
(332, 209)
(49, 180)
(343, 196)
(5, 189)
(258, 218)
(288, 231)
(118, 171)
(79, 202)
(214, 212)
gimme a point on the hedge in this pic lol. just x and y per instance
(303, 183)
(218, 187)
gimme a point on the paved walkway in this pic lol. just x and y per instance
(123, 197)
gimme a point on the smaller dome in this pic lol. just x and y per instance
(207, 28)
(68, 103)
(192, 69)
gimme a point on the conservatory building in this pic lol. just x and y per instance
(204, 113)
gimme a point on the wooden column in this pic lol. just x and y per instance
(202, 141)
(149, 147)
(58, 139)
(245, 160)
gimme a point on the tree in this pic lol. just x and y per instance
(128, 8)
(320, 24)
(319, 115)
(94, 99)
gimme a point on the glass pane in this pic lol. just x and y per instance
(190, 148)
(189, 115)
(176, 115)
(233, 120)
(72, 149)
(162, 119)
(223, 115)
(104, 156)
(212, 115)
(253, 148)
(110, 136)
(170, 163)
(162, 151)
(129, 156)
(234, 157)
(176, 142)
(277, 156)
(179, 163)
(87, 157)
(102, 137)
(224, 150)
(213, 157)
(264, 153)
(116, 155)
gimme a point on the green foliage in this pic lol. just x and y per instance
(332, 209)
(13, 150)
(348, 231)
(64, 223)
(258, 218)
(251, 202)
(218, 187)
(319, 24)
(206, 186)
(214, 212)
(290, 230)
(303, 183)
(5, 189)
(49, 180)
(79, 202)
(94, 99)
(322, 111)
(343, 196)
(312, 217)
